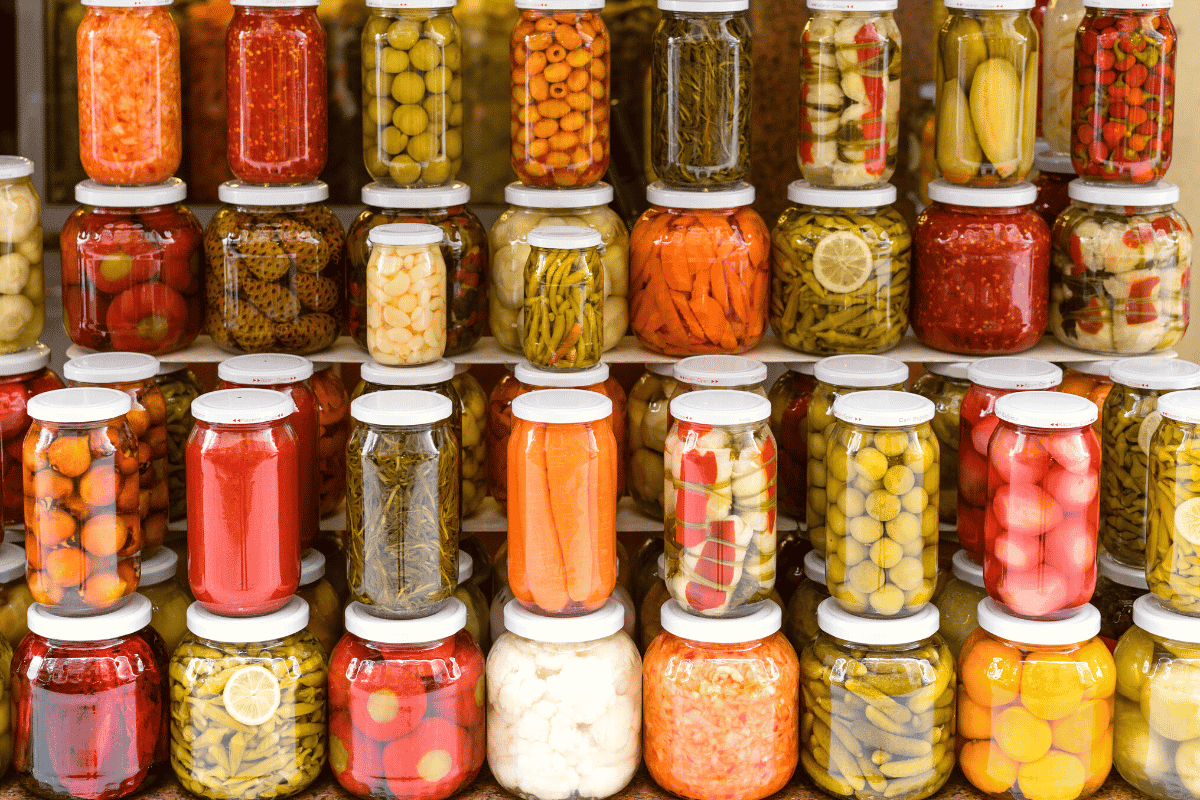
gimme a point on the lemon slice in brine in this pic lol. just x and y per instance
(251, 695)
(842, 262)
(1146, 430)
(1187, 520)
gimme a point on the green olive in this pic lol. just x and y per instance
(423, 147)
(454, 143)
(425, 55)
(410, 119)
(394, 60)
(404, 170)
(408, 87)
(436, 107)
(455, 90)
(376, 28)
(440, 29)
(437, 79)
(404, 33)
(394, 141)
(452, 57)
(455, 117)
(381, 108)
(377, 83)
(436, 172)
(375, 166)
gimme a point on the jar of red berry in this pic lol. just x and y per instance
(22, 375)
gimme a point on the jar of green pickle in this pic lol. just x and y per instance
(180, 387)
(790, 396)
(1173, 506)
(800, 617)
(473, 599)
(647, 423)
(562, 322)
(1118, 586)
(324, 609)
(169, 601)
(946, 385)
(15, 598)
(958, 601)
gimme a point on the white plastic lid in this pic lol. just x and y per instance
(133, 615)
(927, 91)
(127, 3)
(518, 194)
(1023, 194)
(814, 567)
(720, 407)
(530, 375)
(1046, 409)
(990, 5)
(664, 368)
(405, 233)
(12, 167)
(718, 371)
(111, 367)
(276, 625)
(704, 6)
(242, 406)
(1182, 406)
(599, 624)
(1156, 373)
(250, 194)
(31, 359)
(455, 193)
(563, 237)
(91, 193)
(1014, 372)
(853, 5)
(764, 621)
(562, 406)
(466, 566)
(1098, 369)
(439, 371)
(158, 568)
(265, 369)
(884, 408)
(12, 562)
(441, 624)
(79, 404)
(805, 193)
(561, 5)
(276, 3)
(738, 195)
(957, 370)
(1050, 161)
(805, 367)
(312, 566)
(1130, 4)
(1159, 193)
(1117, 572)
(401, 408)
(840, 623)
(1154, 618)
(660, 566)
(966, 570)
(861, 372)
(1080, 627)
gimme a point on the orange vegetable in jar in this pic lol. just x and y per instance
(1089, 379)
(333, 421)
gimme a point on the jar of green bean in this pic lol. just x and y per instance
(946, 385)
(564, 298)
(179, 386)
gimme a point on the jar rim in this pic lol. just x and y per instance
(966, 570)
(265, 369)
(13, 167)
(1120, 573)
(955, 370)
(733, 196)
(102, 368)
(79, 404)
(158, 568)
(1154, 617)
(562, 406)
(400, 234)
(805, 193)
(518, 194)
(609, 619)
(249, 194)
(563, 237)
(883, 408)
(720, 407)
(31, 359)
(1159, 193)
(312, 566)
(1014, 372)
(814, 567)
(379, 195)
(466, 567)
(704, 6)
(12, 562)
(1180, 406)
(1083, 625)
(1022, 194)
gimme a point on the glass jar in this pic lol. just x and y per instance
(700, 78)
(179, 387)
(402, 502)
(990, 379)
(243, 502)
(1035, 705)
(168, 599)
(719, 309)
(562, 515)
(132, 269)
(22, 275)
(271, 711)
(1090, 380)
(23, 375)
(1117, 588)
(202, 33)
(790, 396)
(412, 53)
(841, 271)
(852, 50)
(83, 535)
(650, 611)
(908, 674)
(946, 385)
(589, 669)
(1123, 106)
(1122, 262)
(15, 598)
(564, 298)
(1061, 20)
(128, 63)
(986, 68)
(471, 596)
(407, 313)
(90, 701)
(274, 279)
(560, 93)
(800, 617)
(1173, 535)
(649, 421)
(1053, 175)
(530, 208)
(333, 432)
(1043, 486)
(958, 600)
(464, 249)
(324, 608)
(407, 700)
(631, 25)
(473, 440)
(982, 270)
(917, 157)
(275, 92)
(720, 511)
(881, 526)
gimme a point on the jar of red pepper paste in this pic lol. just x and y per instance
(981, 270)
(22, 375)
(275, 91)
(1054, 174)
(90, 700)
(243, 465)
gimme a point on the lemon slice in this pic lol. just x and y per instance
(1146, 430)
(842, 262)
(1187, 520)
(251, 695)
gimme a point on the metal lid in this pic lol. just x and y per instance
(441, 624)
(1159, 193)
(1156, 373)
(805, 193)
(841, 624)
(439, 371)
(312, 566)
(518, 194)
(158, 568)
(12, 563)
(883, 408)
(1050, 161)
(1181, 406)
(861, 372)
(31, 359)
(1023, 194)
(13, 167)
(814, 567)
(956, 370)
(1154, 618)
(563, 237)
(966, 570)
(530, 375)
(1117, 572)
(466, 566)
(1014, 372)
(720, 371)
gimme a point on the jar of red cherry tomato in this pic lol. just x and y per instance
(333, 432)
(991, 379)
(131, 268)
(243, 463)
(22, 375)
(407, 701)
(981, 270)
(1054, 174)
(789, 398)
(275, 91)
(90, 699)
(1123, 105)
(1043, 499)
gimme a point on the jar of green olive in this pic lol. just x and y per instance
(1173, 507)
(168, 600)
(324, 608)
(946, 385)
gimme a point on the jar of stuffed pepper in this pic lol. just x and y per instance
(15, 598)
(472, 598)
(324, 608)
(464, 249)
(333, 432)
(1039, 554)
(800, 616)
(1061, 20)
(90, 701)
(649, 421)
(270, 713)
(981, 280)
(179, 387)
(1054, 175)
(402, 502)
(407, 700)
(127, 57)
(406, 309)
(1122, 261)
(790, 396)
(530, 208)
(1091, 380)
(564, 298)
(958, 600)
(1117, 588)
(169, 601)
(850, 49)
(22, 274)
(1172, 540)
(473, 439)
(275, 272)
(1123, 105)
(946, 384)
(721, 308)
(23, 375)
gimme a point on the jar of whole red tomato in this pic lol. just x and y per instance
(333, 432)
(981, 270)
(90, 700)
(1123, 105)
(291, 375)
(1054, 174)
(991, 379)
(275, 91)
(243, 463)
(407, 701)
(23, 375)
(789, 398)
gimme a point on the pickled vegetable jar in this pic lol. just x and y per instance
(958, 601)
(800, 616)
(649, 422)
(1039, 555)
(564, 298)
(132, 269)
(127, 55)
(1061, 20)
(274, 278)
(1122, 262)
(90, 701)
(23, 375)
(22, 275)
(472, 598)
(15, 598)
(1035, 705)
(472, 408)
(324, 608)
(850, 95)
(1172, 508)
(263, 734)
(1054, 175)
(1117, 588)
(243, 502)
(407, 311)
(699, 271)
(179, 387)
(1090, 380)
(412, 58)
(986, 68)
(83, 534)
(700, 78)
(982, 270)
(407, 700)
(402, 502)
(333, 432)
(1123, 106)
(562, 515)
(946, 385)
(564, 691)
(840, 276)
(790, 396)
(169, 601)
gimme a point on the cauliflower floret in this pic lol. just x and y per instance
(615, 727)
(16, 311)
(14, 273)
(583, 689)
(529, 691)
(533, 726)
(18, 212)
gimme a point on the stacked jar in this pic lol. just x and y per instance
(1172, 503)
(23, 374)
(22, 273)
(947, 386)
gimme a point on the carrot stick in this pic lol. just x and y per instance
(689, 319)
(673, 255)
(542, 570)
(605, 504)
(754, 232)
(711, 319)
(567, 465)
(720, 292)
(736, 269)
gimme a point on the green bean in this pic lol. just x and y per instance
(563, 307)
(1123, 472)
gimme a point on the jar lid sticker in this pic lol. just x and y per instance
(840, 623)
(735, 196)
(704, 6)
(242, 406)
(861, 372)
(562, 406)
(441, 624)
(720, 407)
(530, 375)
(1123, 574)
(1097, 369)
(31, 359)
(1080, 627)
(265, 369)
(312, 566)
(402, 234)
(1014, 372)
(561, 5)
(103, 368)
(1152, 616)
(600, 624)
(13, 167)
(439, 371)
(1054, 163)
(1156, 373)
(966, 570)
(955, 370)
(518, 194)
(251, 194)
(720, 371)
(292, 618)
(79, 404)
(942, 191)
(814, 567)
(564, 237)
(990, 5)
(1129, 4)
(1053, 410)
(805, 193)
(130, 616)
(1181, 406)
(764, 621)
(466, 566)
(883, 408)
(12, 562)
(1123, 195)
(853, 5)
(377, 195)
(401, 408)
(158, 568)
